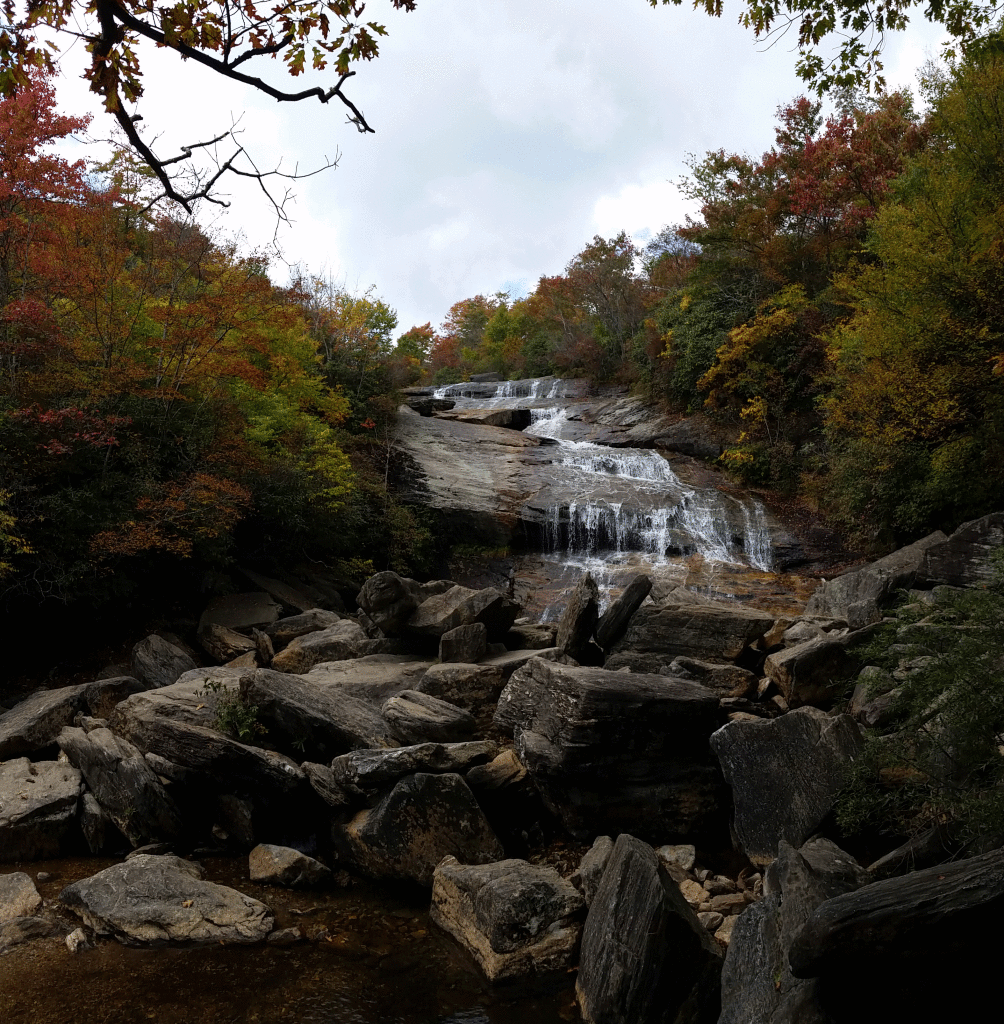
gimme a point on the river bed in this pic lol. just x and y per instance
(373, 958)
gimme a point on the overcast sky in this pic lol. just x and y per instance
(508, 134)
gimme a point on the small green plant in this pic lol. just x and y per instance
(234, 716)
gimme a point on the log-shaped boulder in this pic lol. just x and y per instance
(416, 717)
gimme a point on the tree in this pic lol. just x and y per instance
(226, 36)
(861, 28)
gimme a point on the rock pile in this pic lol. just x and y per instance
(653, 732)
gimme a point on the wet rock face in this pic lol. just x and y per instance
(646, 958)
(150, 900)
(518, 920)
(581, 732)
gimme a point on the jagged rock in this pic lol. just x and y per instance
(223, 644)
(340, 642)
(18, 897)
(241, 611)
(325, 785)
(38, 808)
(369, 771)
(314, 620)
(421, 718)
(281, 865)
(814, 672)
(658, 634)
(785, 774)
(725, 680)
(460, 606)
(157, 663)
(582, 732)
(518, 920)
(578, 621)
(321, 721)
(423, 819)
(124, 785)
(964, 559)
(475, 688)
(858, 596)
(614, 621)
(645, 959)
(151, 900)
(536, 636)
(464, 644)
(389, 601)
(589, 873)
(33, 725)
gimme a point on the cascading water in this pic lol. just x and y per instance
(612, 510)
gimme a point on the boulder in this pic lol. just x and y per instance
(857, 596)
(241, 611)
(322, 780)
(725, 680)
(370, 771)
(785, 774)
(149, 900)
(157, 663)
(24, 929)
(813, 672)
(614, 621)
(519, 921)
(577, 624)
(464, 644)
(460, 606)
(318, 721)
(420, 718)
(658, 634)
(224, 644)
(372, 678)
(423, 819)
(292, 594)
(646, 959)
(388, 600)
(475, 688)
(344, 640)
(100, 832)
(38, 809)
(281, 865)
(18, 897)
(615, 750)
(530, 636)
(314, 620)
(124, 785)
(964, 559)
(944, 910)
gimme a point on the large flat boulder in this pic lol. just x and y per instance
(372, 678)
(423, 819)
(152, 901)
(320, 721)
(646, 959)
(519, 921)
(612, 751)
(339, 642)
(659, 633)
(416, 717)
(785, 774)
(38, 809)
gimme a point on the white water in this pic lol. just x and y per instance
(627, 506)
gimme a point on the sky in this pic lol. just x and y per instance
(508, 134)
